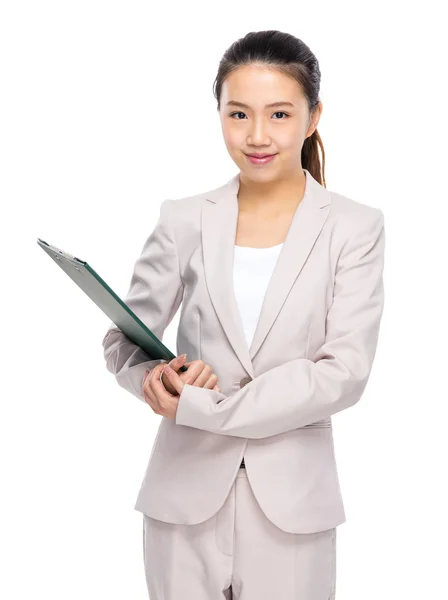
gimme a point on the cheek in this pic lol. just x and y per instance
(234, 132)
(291, 142)
(289, 136)
(233, 139)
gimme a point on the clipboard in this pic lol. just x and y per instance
(105, 298)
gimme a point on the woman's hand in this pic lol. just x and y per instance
(198, 374)
(162, 401)
(159, 399)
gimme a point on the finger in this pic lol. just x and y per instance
(174, 379)
(203, 378)
(148, 375)
(153, 380)
(196, 362)
(211, 382)
(157, 387)
(166, 383)
(193, 371)
(177, 361)
(186, 378)
(163, 401)
(199, 374)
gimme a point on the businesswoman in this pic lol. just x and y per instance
(281, 286)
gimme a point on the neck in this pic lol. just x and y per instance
(273, 196)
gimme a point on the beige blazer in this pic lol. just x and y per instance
(311, 355)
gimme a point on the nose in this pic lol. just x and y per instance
(258, 134)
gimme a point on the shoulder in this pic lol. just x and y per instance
(350, 216)
(355, 226)
(184, 214)
(344, 208)
(194, 201)
(185, 211)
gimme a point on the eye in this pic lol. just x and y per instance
(279, 112)
(236, 113)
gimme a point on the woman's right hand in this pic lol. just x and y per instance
(198, 374)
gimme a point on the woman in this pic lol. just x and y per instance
(281, 285)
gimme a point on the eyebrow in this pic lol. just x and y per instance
(273, 104)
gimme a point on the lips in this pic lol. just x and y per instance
(260, 159)
(260, 155)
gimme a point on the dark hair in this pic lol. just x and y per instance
(291, 56)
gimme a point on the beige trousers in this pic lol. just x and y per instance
(237, 554)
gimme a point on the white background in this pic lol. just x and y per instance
(106, 110)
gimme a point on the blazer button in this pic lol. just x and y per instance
(244, 381)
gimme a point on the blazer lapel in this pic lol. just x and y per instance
(219, 225)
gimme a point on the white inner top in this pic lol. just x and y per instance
(252, 271)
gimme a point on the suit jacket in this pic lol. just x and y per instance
(311, 355)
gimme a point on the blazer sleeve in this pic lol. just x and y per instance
(303, 391)
(155, 293)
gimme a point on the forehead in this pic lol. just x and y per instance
(257, 85)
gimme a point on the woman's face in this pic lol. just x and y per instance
(249, 125)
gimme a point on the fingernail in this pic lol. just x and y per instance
(167, 369)
(184, 356)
